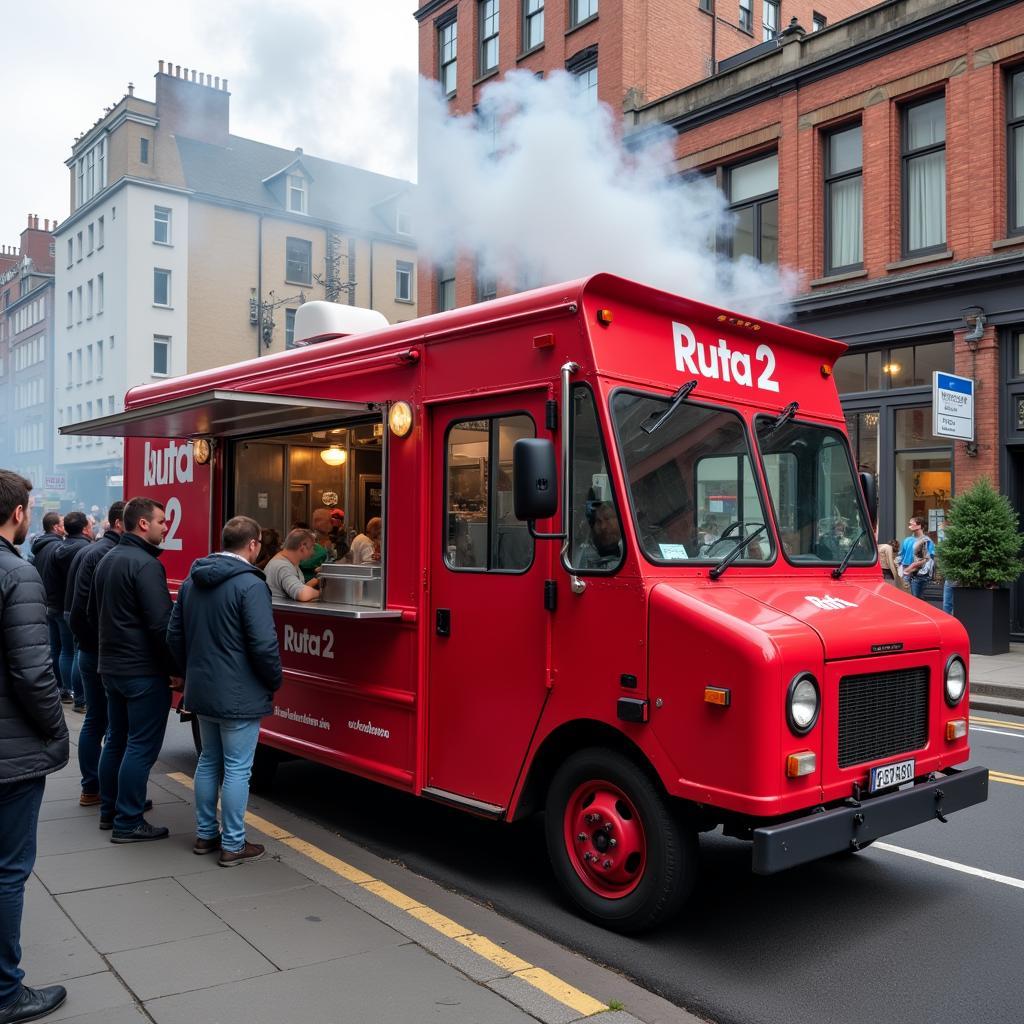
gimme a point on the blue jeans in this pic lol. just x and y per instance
(229, 746)
(69, 662)
(137, 709)
(917, 586)
(52, 625)
(948, 586)
(94, 728)
(19, 815)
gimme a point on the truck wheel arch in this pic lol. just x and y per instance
(560, 744)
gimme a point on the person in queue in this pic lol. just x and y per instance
(909, 563)
(130, 601)
(77, 536)
(42, 550)
(270, 545)
(322, 549)
(283, 572)
(366, 546)
(86, 633)
(222, 633)
(33, 743)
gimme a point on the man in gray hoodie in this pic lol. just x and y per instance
(222, 633)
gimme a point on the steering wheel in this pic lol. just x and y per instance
(721, 547)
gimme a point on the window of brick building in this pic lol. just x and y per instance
(770, 19)
(447, 46)
(1015, 153)
(818, 22)
(487, 19)
(298, 261)
(486, 285)
(583, 67)
(582, 10)
(403, 280)
(705, 5)
(533, 24)
(753, 190)
(844, 200)
(924, 177)
(747, 15)
(143, 151)
(446, 287)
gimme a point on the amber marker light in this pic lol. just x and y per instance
(803, 763)
(604, 316)
(400, 419)
(957, 729)
(826, 370)
(718, 695)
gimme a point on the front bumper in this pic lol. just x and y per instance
(777, 847)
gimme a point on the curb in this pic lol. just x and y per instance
(1001, 705)
(530, 988)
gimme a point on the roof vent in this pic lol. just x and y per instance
(318, 321)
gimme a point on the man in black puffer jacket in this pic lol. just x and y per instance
(43, 548)
(222, 631)
(33, 743)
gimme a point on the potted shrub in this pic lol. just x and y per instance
(981, 554)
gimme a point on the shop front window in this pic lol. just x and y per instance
(887, 369)
(863, 430)
(924, 478)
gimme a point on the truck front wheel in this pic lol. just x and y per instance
(625, 859)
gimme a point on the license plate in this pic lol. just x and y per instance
(886, 775)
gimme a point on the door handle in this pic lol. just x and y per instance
(443, 621)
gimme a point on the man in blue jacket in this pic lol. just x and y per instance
(222, 633)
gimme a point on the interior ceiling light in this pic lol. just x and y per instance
(891, 368)
(334, 456)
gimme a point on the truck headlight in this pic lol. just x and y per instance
(802, 703)
(955, 680)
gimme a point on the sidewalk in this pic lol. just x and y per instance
(319, 931)
(997, 682)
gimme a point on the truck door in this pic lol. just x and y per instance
(488, 623)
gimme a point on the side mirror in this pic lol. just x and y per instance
(534, 479)
(870, 488)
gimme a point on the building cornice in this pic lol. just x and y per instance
(431, 7)
(100, 197)
(886, 40)
(48, 282)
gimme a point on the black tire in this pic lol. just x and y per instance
(670, 871)
(264, 767)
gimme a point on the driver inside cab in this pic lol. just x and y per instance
(603, 549)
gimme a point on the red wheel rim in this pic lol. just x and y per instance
(604, 838)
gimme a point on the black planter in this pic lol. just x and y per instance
(985, 615)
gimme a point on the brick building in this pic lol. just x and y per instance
(627, 53)
(27, 358)
(883, 158)
(189, 247)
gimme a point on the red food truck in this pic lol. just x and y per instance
(627, 576)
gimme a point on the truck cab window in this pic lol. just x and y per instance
(595, 529)
(691, 481)
(481, 530)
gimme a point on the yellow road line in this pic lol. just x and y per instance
(995, 721)
(537, 977)
(1013, 780)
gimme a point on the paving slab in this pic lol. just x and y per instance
(95, 993)
(403, 984)
(305, 926)
(139, 914)
(188, 964)
(134, 862)
(119, 1015)
(50, 942)
(66, 835)
(62, 787)
(536, 1003)
(54, 809)
(266, 876)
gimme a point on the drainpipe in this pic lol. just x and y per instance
(259, 287)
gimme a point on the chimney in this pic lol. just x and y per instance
(200, 113)
(161, 70)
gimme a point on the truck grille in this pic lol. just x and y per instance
(882, 713)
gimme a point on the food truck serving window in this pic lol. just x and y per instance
(691, 480)
(814, 493)
(328, 480)
(481, 530)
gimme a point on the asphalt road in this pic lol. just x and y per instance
(879, 936)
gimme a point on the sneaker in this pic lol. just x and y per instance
(142, 833)
(249, 853)
(67, 697)
(33, 1003)
(89, 800)
(202, 845)
(80, 708)
(108, 823)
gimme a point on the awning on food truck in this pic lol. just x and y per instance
(215, 414)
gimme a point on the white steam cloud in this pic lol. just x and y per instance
(539, 187)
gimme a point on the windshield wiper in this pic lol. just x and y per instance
(735, 552)
(679, 396)
(837, 572)
(784, 417)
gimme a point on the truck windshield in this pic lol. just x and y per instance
(691, 482)
(814, 493)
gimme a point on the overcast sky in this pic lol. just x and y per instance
(340, 83)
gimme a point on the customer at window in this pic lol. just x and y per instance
(323, 550)
(366, 546)
(283, 572)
